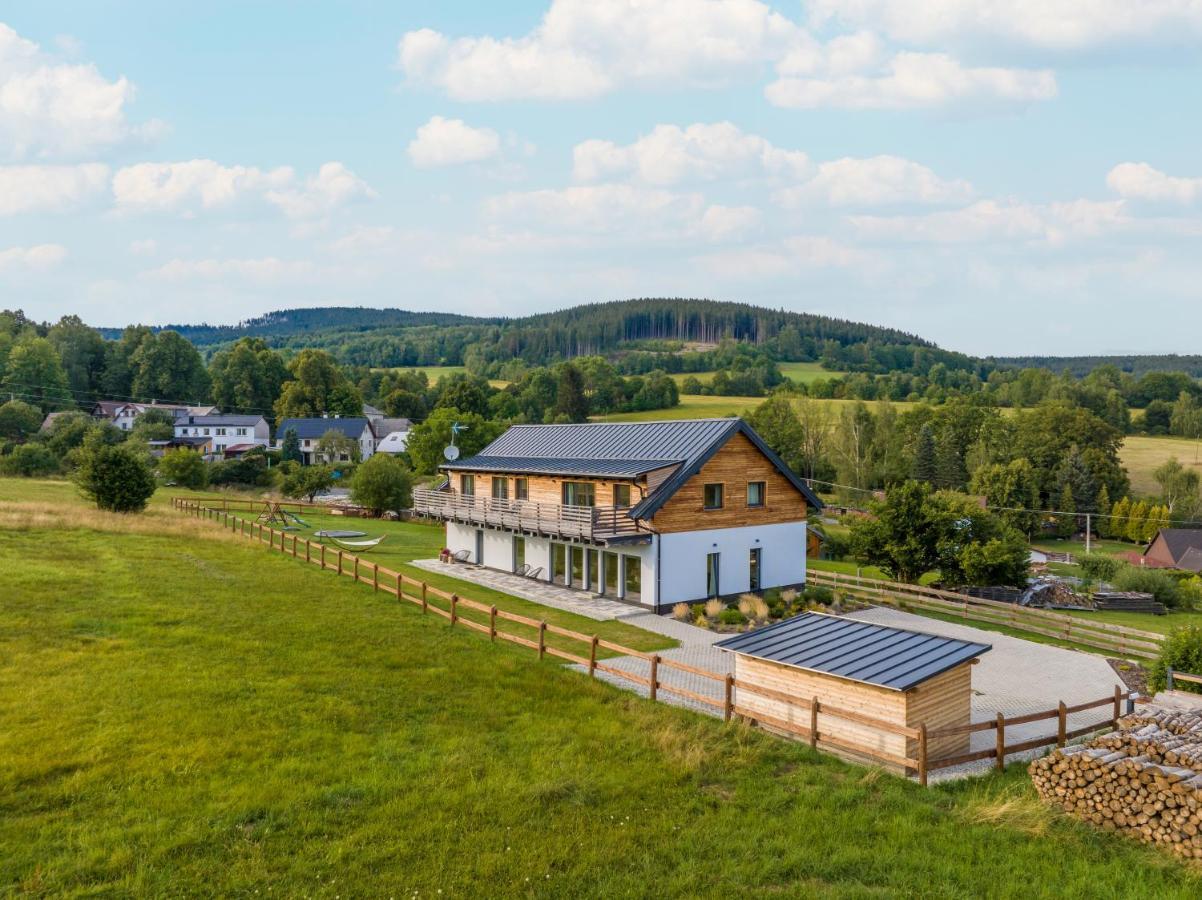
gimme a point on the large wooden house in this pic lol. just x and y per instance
(653, 513)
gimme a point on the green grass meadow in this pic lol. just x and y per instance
(186, 713)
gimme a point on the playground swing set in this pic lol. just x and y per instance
(275, 515)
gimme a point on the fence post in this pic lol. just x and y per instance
(356, 569)
(295, 538)
(492, 624)
(814, 722)
(339, 562)
(1001, 742)
(1118, 710)
(1168, 678)
(922, 753)
(455, 610)
(542, 639)
(592, 658)
(425, 603)
(323, 557)
(400, 586)
(728, 706)
(375, 576)
(654, 689)
(308, 550)
(1062, 727)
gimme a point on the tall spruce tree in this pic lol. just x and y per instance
(924, 456)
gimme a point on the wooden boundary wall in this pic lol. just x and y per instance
(484, 618)
(1116, 639)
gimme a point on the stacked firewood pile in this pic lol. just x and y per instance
(1145, 778)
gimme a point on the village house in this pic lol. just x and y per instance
(1175, 548)
(392, 435)
(231, 435)
(309, 432)
(123, 414)
(653, 513)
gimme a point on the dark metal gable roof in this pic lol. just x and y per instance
(351, 426)
(687, 442)
(593, 468)
(893, 658)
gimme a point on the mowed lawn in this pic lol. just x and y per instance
(185, 713)
(1142, 455)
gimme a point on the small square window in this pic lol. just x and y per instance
(621, 495)
(755, 493)
(713, 496)
(521, 489)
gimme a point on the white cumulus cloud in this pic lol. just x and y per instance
(1140, 181)
(49, 188)
(202, 184)
(1044, 24)
(50, 109)
(1000, 221)
(701, 152)
(596, 208)
(265, 270)
(875, 181)
(909, 80)
(450, 142)
(36, 257)
(585, 48)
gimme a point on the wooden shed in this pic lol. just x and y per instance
(890, 674)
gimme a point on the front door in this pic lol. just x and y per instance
(711, 574)
(479, 548)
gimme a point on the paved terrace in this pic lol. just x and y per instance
(1014, 678)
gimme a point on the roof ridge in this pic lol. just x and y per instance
(641, 422)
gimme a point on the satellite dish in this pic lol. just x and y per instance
(451, 452)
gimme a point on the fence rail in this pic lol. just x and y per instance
(1120, 639)
(484, 618)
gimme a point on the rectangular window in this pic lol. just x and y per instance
(521, 489)
(467, 485)
(559, 563)
(221, 431)
(577, 573)
(634, 578)
(621, 495)
(206, 432)
(519, 553)
(755, 493)
(500, 488)
(753, 564)
(713, 496)
(609, 561)
(711, 574)
(579, 493)
(242, 432)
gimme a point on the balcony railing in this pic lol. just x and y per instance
(589, 523)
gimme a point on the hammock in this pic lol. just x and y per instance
(359, 545)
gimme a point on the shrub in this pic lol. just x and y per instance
(788, 596)
(249, 470)
(308, 481)
(1159, 584)
(759, 609)
(19, 421)
(29, 461)
(714, 607)
(731, 617)
(185, 468)
(1099, 567)
(681, 612)
(818, 594)
(1182, 651)
(116, 477)
(382, 483)
(745, 603)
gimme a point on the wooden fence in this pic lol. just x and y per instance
(1116, 639)
(805, 724)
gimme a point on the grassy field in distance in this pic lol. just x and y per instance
(1142, 455)
(184, 712)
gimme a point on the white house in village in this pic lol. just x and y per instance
(124, 414)
(230, 434)
(309, 432)
(653, 513)
(392, 435)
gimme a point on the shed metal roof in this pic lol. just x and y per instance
(1179, 541)
(893, 658)
(598, 468)
(687, 442)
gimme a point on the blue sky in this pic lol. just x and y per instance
(1002, 178)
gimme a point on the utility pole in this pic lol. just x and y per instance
(1088, 529)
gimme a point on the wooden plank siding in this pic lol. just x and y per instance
(868, 699)
(548, 488)
(738, 462)
(941, 702)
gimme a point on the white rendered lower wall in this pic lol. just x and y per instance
(683, 558)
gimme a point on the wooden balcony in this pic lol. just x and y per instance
(584, 523)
